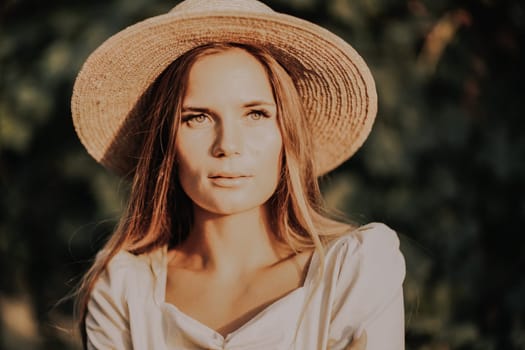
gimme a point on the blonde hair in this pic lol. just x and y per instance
(159, 212)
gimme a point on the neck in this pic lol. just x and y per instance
(229, 243)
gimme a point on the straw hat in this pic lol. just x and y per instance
(335, 83)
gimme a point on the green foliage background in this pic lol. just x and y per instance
(444, 166)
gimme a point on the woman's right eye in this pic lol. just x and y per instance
(196, 120)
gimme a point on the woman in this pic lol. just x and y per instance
(224, 113)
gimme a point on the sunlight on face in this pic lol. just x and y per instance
(229, 143)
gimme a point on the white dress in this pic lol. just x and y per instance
(361, 288)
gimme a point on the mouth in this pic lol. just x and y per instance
(229, 176)
(229, 180)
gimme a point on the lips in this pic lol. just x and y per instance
(229, 175)
(229, 180)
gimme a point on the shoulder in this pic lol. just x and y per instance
(375, 234)
(371, 241)
(111, 300)
(367, 257)
(122, 272)
(363, 278)
(123, 263)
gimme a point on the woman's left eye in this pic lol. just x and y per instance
(257, 115)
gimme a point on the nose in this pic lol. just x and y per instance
(229, 139)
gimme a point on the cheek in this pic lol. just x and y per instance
(192, 150)
(184, 172)
(274, 148)
(188, 160)
(190, 179)
(269, 153)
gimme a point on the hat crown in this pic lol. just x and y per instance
(196, 6)
(332, 80)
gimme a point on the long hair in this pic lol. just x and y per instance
(159, 212)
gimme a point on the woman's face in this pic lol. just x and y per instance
(229, 143)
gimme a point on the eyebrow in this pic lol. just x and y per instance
(196, 109)
(246, 105)
(259, 103)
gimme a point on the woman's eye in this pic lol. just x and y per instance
(257, 115)
(196, 120)
(201, 118)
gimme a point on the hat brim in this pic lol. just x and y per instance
(336, 85)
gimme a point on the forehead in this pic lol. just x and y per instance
(231, 74)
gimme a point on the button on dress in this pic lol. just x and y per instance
(359, 288)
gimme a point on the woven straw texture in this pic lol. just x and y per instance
(335, 84)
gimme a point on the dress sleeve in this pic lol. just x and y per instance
(369, 292)
(107, 318)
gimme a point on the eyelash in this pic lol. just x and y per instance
(260, 112)
(190, 117)
(257, 112)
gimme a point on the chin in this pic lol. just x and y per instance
(226, 205)
(225, 208)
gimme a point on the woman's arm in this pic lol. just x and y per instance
(369, 293)
(386, 329)
(107, 318)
